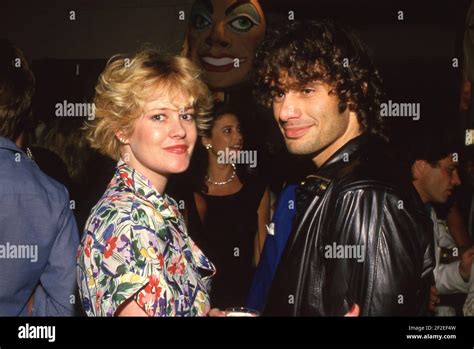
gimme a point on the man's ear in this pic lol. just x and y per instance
(418, 168)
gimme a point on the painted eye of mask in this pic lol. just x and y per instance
(242, 23)
(201, 22)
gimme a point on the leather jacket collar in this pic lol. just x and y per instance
(336, 166)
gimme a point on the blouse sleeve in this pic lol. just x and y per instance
(119, 261)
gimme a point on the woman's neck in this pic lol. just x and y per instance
(218, 172)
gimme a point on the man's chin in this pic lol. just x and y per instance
(296, 149)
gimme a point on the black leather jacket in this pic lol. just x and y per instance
(358, 237)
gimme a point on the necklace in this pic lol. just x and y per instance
(224, 182)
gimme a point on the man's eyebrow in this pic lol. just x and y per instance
(235, 5)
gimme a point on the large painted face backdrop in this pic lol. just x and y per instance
(223, 36)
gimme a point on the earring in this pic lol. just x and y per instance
(123, 140)
(208, 146)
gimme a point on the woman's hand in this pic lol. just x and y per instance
(216, 312)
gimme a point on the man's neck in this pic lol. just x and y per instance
(420, 192)
(323, 156)
(20, 140)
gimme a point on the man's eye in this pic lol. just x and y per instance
(241, 24)
(199, 22)
(158, 117)
(307, 91)
(227, 130)
(187, 117)
(277, 95)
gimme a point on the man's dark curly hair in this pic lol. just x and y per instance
(324, 51)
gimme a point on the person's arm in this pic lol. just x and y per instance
(263, 221)
(388, 278)
(457, 228)
(454, 277)
(130, 308)
(56, 296)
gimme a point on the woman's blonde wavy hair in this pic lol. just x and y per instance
(124, 85)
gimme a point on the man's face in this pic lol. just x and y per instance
(310, 120)
(222, 31)
(436, 184)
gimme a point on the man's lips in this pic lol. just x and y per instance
(296, 131)
(177, 149)
(219, 64)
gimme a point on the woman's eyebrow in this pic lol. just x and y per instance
(236, 4)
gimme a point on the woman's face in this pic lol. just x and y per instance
(223, 36)
(225, 134)
(164, 135)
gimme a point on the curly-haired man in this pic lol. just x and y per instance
(359, 237)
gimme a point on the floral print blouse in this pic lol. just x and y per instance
(135, 244)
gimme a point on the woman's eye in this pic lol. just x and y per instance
(307, 91)
(241, 24)
(187, 117)
(199, 22)
(158, 117)
(227, 130)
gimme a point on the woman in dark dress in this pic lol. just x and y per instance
(229, 208)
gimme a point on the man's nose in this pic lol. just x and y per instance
(288, 108)
(455, 178)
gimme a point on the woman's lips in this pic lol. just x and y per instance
(219, 64)
(296, 132)
(177, 149)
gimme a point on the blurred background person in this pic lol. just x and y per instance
(227, 205)
(136, 257)
(435, 175)
(38, 233)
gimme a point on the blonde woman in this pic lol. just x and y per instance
(136, 257)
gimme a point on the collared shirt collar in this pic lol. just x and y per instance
(142, 187)
(317, 183)
(10, 145)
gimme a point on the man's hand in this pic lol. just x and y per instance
(434, 299)
(465, 264)
(353, 312)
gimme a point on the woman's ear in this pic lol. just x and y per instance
(205, 141)
(121, 137)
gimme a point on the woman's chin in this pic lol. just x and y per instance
(178, 167)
